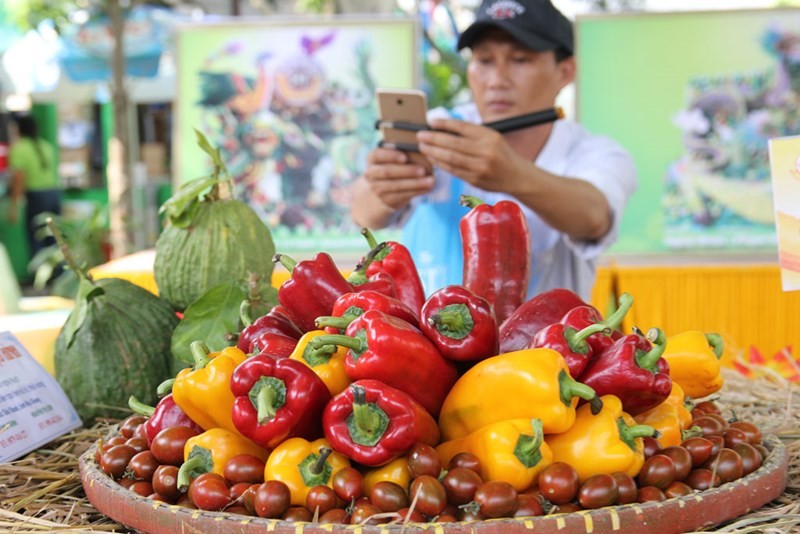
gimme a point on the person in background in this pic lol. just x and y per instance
(32, 163)
(573, 185)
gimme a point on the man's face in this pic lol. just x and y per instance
(507, 79)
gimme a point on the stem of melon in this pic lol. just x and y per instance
(68, 257)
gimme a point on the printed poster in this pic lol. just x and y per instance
(784, 155)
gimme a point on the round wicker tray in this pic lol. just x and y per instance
(682, 514)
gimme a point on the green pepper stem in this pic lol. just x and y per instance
(359, 274)
(186, 469)
(716, 344)
(637, 431)
(244, 313)
(368, 422)
(453, 321)
(528, 448)
(371, 241)
(65, 250)
(139, 407)
(286, 261)
(265, 404)
(615, 319)
(649, 360)
(319, 465)
(165, 387)
(569, 388)
(470, 201)
(576, 339)
(200, 352)
(352, 343)
(336, 322)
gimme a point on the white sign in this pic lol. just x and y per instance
(33, 408)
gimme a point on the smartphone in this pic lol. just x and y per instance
(403, 105)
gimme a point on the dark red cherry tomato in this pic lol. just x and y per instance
(114, 461)
(322, 498)
(143, 465)
(751, 458)
(700, 449)
(658, 471)
(165, 482)
(348, 483)
(530, 505)
(559, 483)
(244, 468)
(681, 459)
(626, 487)
(129, 425)
(272, 499)
(168, 444)
(424, 460)
(432, 496)
(497, 499)
(389, 496)
(461, 483)
(751, 431)
(465, 459)
(650, 493)
(598, 491)
(727, 464)
(209, 493)
(702, 479)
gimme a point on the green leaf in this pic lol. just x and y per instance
(179, 207)
(214, 153)
(78, 315)
(208, 319)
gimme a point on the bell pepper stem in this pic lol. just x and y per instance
(371, 241)
(139, 407)
(265, 404)
(470, 201)
(244, 313)
(716, 344)
(198, 462)
(356, 344)
(165, 387)
(453, 321)
(359, 274)
(200, 352)
(570, 388)
(368, 422)
(285, 260)
(576, 339)
(528, 448)
(314, 469)
(318, 466)
(623, 307)
(336, 322)
(649, 360)
(629, 433)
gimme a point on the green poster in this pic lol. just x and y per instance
(695, 97)
(291, 103)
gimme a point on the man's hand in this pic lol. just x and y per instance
(394, 180)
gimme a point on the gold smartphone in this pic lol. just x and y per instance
(408, 106)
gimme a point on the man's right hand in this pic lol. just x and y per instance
(394, 180)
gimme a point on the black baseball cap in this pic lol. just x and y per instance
(536, 24)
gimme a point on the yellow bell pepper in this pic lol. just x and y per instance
(210, 451)
(510, 451)
(694, 362)
(395, 471)
(604, 443)
(303, 464)
(327, 362)
(670, 418)
(204, 391)
(524, 384)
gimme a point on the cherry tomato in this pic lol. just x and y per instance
(348, 483)
(389, 496)
(702, 479)
(126, 482)
(129, 425)
(338, 516)
(432, 496)
(626, 487)
(567, 508)
(272, 499)
(651, 446)
(559, 483)
(143, 465)
(751, 431)
(297, 514)
(209, 492)
(751, 458)
(165, 482)
(678, 489)
(114, 461)
(734, 436)
(598, 491)
(497, 499)
(461, 483)
(681, 459)
(424, 460)
(138, 444)
(650, 493)
(529, 505)
(699, 448)
(705, 407)
(469, 512)
(140, 432)
(717, 442)
(244, 468)
(237, 490)
(363, 512)
(658, 471)
(411, 515)
(237, 509)
(322, 498)
(168, 444)
(710, 425)
(445, 518)
(142, 487)
(466, 459)
(727, 464)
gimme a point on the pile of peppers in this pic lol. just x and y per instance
(356, 370)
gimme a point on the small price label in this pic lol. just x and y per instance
(33, 408)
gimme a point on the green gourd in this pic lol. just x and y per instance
(210, 239)
(115, 343)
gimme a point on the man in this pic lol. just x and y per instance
(572, 185)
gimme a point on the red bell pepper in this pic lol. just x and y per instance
(385, 348)
(379, 281)
(277, 399)
(639, 378)
(581, 317)
(275, 345)
(570, 343)
(351, 305)
(497, 253)
(276, 321)
(534, 314)
(312, 289)
(395, 260)
(373, 423)
(165, 414)
(460, 323)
